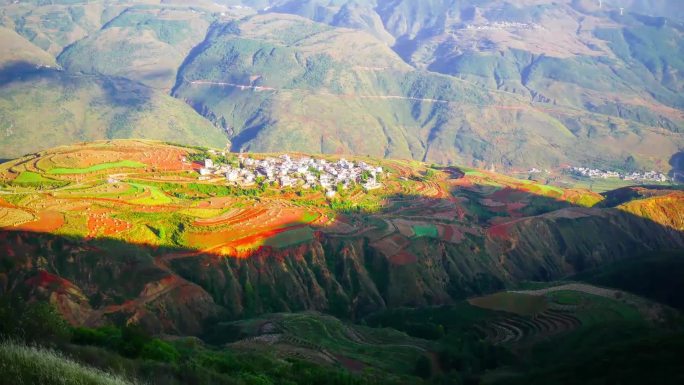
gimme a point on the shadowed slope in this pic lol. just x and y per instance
(160, 249)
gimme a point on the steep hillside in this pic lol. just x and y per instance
(90, 108)
(14, 48)
(142, 44)
(511, 84)
(123, 230)
(311, 90)
(54, 25)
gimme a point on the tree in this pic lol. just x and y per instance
(630, 164)
(35, 322)
(423, 367)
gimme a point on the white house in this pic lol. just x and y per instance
(232, 175)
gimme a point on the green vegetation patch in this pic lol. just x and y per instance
(522, 304)
(290, 237)
(599, 310)
(97, 167)
(565, 297)
(425, 231)
(545, 189)
(157, 196)
(33, 179)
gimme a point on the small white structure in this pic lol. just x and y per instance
(205, 171)
(330, 194)
(372, 184)
(208, 163)
(286, 181)
(232, 175)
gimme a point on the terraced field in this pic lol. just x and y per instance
(326, 340)
(429, 236)
(535, 315)
(108, 182)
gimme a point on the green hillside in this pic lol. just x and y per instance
(498, 83)
(92, 108)
(309, 89)
(141, 44)
(14, 48)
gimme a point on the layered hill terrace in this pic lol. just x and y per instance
(133, 233)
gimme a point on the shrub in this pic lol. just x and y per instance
(35, 322)
(159, 350)
(423, 367)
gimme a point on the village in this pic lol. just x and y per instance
(646, 176)
(302, 172)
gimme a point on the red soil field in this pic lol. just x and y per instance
(232, 217)
(509, 195)
(48, 221)
(166, 159)
(159, 158)
(51, 281)
(100, 223)
(391, 245)
(450, 233)
(463, 182)
(499, 231)
(403, 258)
(514, 208)
(350, 364)
(405, 227)
(247, 228)
(216, 203)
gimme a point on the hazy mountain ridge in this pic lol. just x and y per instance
(361, 76)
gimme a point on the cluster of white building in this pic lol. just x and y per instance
(304, 172)
(649, 176)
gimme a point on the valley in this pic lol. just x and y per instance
(343, 192)
(125, 233)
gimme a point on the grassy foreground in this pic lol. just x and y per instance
(27, 365)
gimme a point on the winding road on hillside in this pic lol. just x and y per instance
(521, 106)
(244, 87)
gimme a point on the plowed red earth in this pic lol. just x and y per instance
(498, 231)
(48, 221)
(99, 223)
(450, 233)
(403, 258)
(350, 364)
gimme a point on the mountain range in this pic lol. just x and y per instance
(509, 84)
(343, 192)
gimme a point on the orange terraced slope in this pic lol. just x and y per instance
(152, 241)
